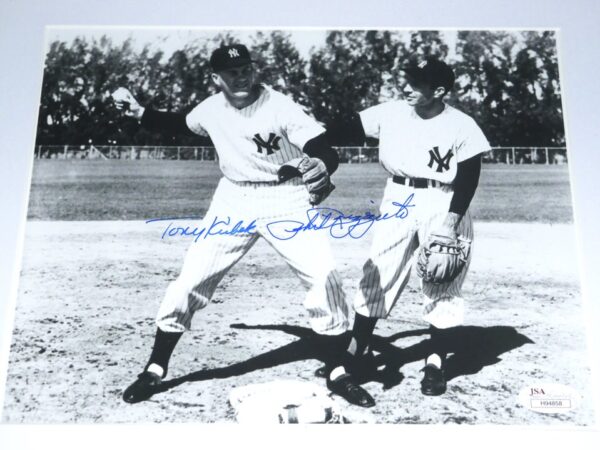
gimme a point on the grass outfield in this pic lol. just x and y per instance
(109, 190)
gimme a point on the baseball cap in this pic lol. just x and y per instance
(432, 72)
(229, 56)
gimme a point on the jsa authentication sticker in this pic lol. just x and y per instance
(549, 398)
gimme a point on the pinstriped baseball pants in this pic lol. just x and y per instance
(208, 260)
(394, 250)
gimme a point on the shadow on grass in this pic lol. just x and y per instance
(472, 349)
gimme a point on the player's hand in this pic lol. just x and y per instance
(126, 102)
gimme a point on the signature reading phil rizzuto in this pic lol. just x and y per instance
(338, 224)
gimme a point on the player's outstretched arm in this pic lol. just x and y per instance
(161, 121)
(165, 122)
(347, 130)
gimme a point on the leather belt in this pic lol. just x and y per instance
(417, 183)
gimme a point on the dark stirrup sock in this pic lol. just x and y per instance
(164, 344)
(438, 346)
(362, 332)
(334, 352)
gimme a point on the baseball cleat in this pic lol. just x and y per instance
(434, 381)
(345, 387)
(143, 388)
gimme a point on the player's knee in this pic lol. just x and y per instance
(323, 279)
(173, 321)
(197, 300)
(333, 284)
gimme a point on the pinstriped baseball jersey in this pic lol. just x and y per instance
(253, 142)
(413, 147)
(423, 148)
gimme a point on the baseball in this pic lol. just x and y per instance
(122, 95)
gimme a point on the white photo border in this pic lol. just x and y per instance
(22, 27)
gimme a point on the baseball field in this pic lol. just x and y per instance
(94, 273)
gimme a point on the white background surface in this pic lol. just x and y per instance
(21, 57)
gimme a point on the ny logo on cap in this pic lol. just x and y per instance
(233, 53)
(443, 162)
(422, 64)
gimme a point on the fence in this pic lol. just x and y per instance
(527, 155)
(503, 155)
(124, 152)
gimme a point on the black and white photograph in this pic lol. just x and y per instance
(300, 225)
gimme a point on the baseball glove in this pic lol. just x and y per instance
(314, 175)
(442, 258)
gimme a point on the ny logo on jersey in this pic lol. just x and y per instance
(233, 53)
(271, 144)
(443, 163)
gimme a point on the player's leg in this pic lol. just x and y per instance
(206, 262)
(443, 303)
(443, 309)
(310, 257)
(385, 273)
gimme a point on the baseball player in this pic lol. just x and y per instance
(256, 131)
(433, 152)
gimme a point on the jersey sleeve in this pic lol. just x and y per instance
(472, 141)
(198, 117)
(298, 125)
(372, 118)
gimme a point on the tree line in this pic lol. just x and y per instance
(507, 81)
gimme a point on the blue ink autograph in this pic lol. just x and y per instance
(216, 228)
(339, 224)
